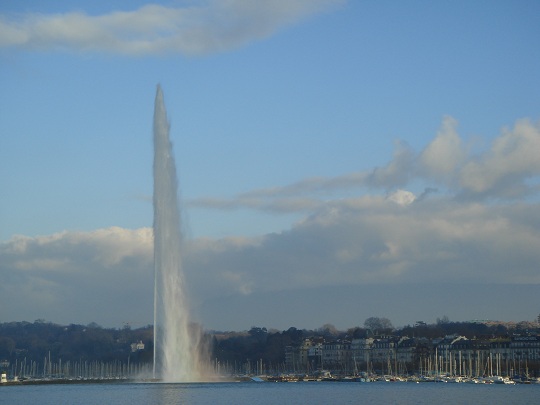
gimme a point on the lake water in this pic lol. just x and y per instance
(270, 393)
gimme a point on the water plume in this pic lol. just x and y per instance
(176, 339)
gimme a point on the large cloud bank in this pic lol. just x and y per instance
(79, 276)
(203, 27)
(480, 231)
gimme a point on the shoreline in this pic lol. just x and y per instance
(70, 381)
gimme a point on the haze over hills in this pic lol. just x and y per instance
(348, 306)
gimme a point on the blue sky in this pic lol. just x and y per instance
(284, 114)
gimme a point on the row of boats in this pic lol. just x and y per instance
(414, 379)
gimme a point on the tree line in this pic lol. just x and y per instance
(39, 340)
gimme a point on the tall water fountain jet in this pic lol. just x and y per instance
(176, 342)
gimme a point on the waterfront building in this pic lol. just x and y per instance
(383, 354)
(526, 347)
(337, 355)
(138, 346)
(361, 349)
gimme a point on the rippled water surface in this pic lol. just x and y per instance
(271, 393)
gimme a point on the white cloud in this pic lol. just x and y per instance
(210, 26)
(106, 275)
(445, 154)
(377, 241)
(78, 276)
(402, 197)
(502, 172)
(397, 172)
(512, 158)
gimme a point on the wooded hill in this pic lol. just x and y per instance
(39, 340)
